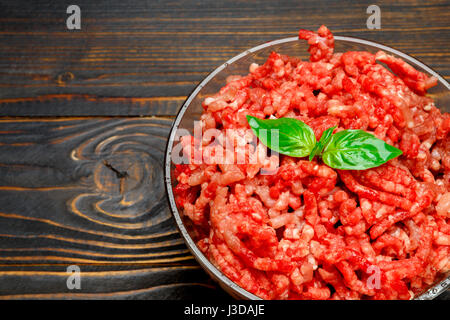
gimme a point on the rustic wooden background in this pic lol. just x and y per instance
(84, 117)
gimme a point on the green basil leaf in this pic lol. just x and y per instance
(357, 150)
(287, 136)
(324, 139)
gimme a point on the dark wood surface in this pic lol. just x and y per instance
(84, 117)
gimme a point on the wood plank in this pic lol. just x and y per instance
(86, 190)
(143, 58)
(178, 282)
(89, 192)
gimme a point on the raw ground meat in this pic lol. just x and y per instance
(309, 231)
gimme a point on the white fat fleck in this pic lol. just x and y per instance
(253, 67)
(396, 233)
(233, 105)
(435, 154)
(366, 205)
(421, 156)
(426, 145)
(272, 117)
(209, 100)
(428, 107)
(312, 261)
(256, 216)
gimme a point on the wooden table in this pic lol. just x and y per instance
(84, 117)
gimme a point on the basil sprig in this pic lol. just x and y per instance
(287, 136)
(324, 139)
(346, 149)
(357, 150)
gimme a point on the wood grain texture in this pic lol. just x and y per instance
(89, 192)
(84, 118)
(85, 191)
(176, 282)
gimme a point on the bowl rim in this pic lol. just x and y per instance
(212, 270)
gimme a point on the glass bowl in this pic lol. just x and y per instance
(239, 65)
